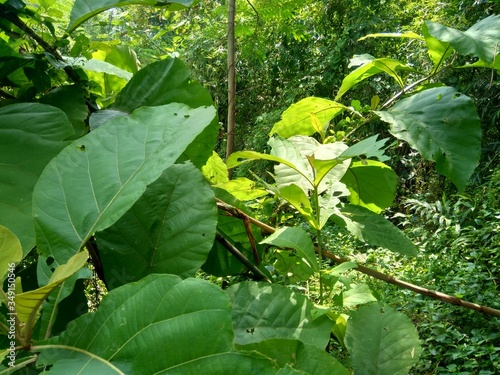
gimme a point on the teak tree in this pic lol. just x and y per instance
(109, 165)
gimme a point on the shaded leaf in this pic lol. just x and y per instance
(262, 311)
(381, 340)
(170, 229)
(39, 131)
(95, 180)
(184, 315)
(297, 239)
(448, 131)
(374, 229)
(307, 359)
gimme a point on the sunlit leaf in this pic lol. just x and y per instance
(448, 131)
(10, 250)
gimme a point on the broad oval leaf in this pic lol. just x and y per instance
(169, 81)
(443, 126)
(374, 229)
(170, 229)
(262, 311)
(480, 40)
(182, 315)
(438, 50)
(308, 116)
(381, 341)
(97, 178)
(39, 131)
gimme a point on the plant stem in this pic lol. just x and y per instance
(317, 209)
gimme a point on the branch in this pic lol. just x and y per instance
(233, 211)
(242, 258)
(47, 47)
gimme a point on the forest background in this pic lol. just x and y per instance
(290, 50)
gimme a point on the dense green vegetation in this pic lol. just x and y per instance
(126, 249)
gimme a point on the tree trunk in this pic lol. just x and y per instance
(231, 80)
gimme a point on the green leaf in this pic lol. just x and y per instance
(371, 66)
(97, 178)
(369, 147)
(303, 117)
(262, 311)
(359, 294)
(330, 199)
(84, 9)
(10, 251)
(100, 66)
(169, 81)
(481, 40)
(305, 358)
(374, 229)
(438, 51)
(298, 199)
(71, 100)
(28, 303)
(297, 239)
(243, 189)
(372, 184)
(184, 315)
(448, 131)
(170, 229)
(381, 340)
(39, 131)
(409, 34)
(215, 170)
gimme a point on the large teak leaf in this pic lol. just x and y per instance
(31, 135)
(189, 319)
(381, 341)
(170, 229)
(443, 126)
(97, 178)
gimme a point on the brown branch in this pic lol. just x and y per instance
(242, 258)
(373, 273)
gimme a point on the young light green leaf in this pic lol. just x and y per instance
(97, 178)
(297, 239)
(28, 303)
(40, 131)
(243, 189)
(372, 184)
(359, 294)
(409, 34)
(308, 116)
(259, 314)
(481, 40)
(374, 229)
(100, 66)
(10, 251)
(330, 199)
(170, 229)
(393, 346)
(370, 68)
(447, 132)
(215, 170)
(298, 199)
(181, 314)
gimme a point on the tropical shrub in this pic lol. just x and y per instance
(111, 165)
